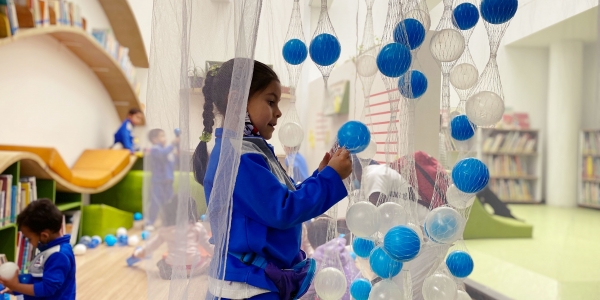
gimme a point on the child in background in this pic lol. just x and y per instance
(161, 161)
(123, 135)
(53, 269)
(264, 259)
(197, 238)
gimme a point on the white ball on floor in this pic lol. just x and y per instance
(121, 231)
(8, 270)
(79, 249)
(133, 240)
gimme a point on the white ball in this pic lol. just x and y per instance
(330, 284)
(462, 295)
(458, 198)
(366, 65)
(447, 45)
(79, 249)
(385, 290)
(464, 76)
(439, 287)
(291, 134)
(485, 108)
(133, 240)
(370, 152)
(420, 16)
(121, 231)
(362, 219)
(390, 214)
(8, 270)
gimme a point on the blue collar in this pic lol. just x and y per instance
(65, 239)
(219, 135)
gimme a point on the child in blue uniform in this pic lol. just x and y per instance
(123, 135)
(264, 260)
(161, 160)
(53, 269)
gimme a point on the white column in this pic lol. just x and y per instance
(565, 90)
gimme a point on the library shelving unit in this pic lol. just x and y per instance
(514, 163)
(589, 163)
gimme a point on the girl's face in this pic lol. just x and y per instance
(263, 108)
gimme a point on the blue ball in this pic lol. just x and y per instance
(470, 175)
(294, 52)
(465, 16)
(203, 218)
(354, 136)
(498, 11)
(383, 265)
(363, 247)
(360, 289)
(415, 33)
(110, 240)
(122, 240)
(325, 49)
(461, 128)
(394, 59)
(353, 255)
(145, 235)
(402, 243)
(460, 263)
(137, 216)
(416, 87)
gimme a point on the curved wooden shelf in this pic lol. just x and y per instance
(33, 165)
(106, 68)
(126, 30)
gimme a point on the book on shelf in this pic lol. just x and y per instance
(9, 10)
(591, 143)
(511, 142)
(514, 120)
(512, 189)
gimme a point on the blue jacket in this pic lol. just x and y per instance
(161, 165)
(267, 216)
(123, 135)
(53, 271)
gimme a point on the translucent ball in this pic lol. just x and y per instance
(366, 65)
(470, 175)
(402, 243)
(447, 45)
(421, 16)
(363, 247)
(458, 199)
(460, 263)
(439, 287)
(391, 214)
(137, 216)
(369, 152)
(325, 49)
(145, 235)
(121, 231)
(465, 16)
(462, 295)
(385, 290)
(330, 284)
(360, 289)
(8, 270)
(97, 238)
(444, 225)
(461, 129)
(410, 32)
(85, 240)
(110, 240)
(498, 11)
(416, 229)
(79, 249)
(412, 85)
(354, 136)
(464, 76)
(362, 219)
(294, 52)
(485, 108)
(394, 59)
(133, 240)
(384, 265)
(291, 134)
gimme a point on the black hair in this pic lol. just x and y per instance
(134, 111)
(216, 91)
(41, 215)
(316, 230)
(169, 211)
(154, 133)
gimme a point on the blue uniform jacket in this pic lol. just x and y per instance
(161, 164)
(267, 216)
(53, 271)
(123, 135)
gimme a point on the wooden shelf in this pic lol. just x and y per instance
(595, 180)
(511, 130)
(511, 153)
(524, 177)
(106, 68)
(586, 205)
(512, 201)
(126, 30)
(589, 154)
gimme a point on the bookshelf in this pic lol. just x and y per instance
(589, 164)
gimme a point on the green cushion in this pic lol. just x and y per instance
(483, 225)
(103, 219)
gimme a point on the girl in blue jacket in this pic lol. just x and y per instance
(264, 260)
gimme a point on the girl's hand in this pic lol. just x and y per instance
(325, 161)
(341, 163)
